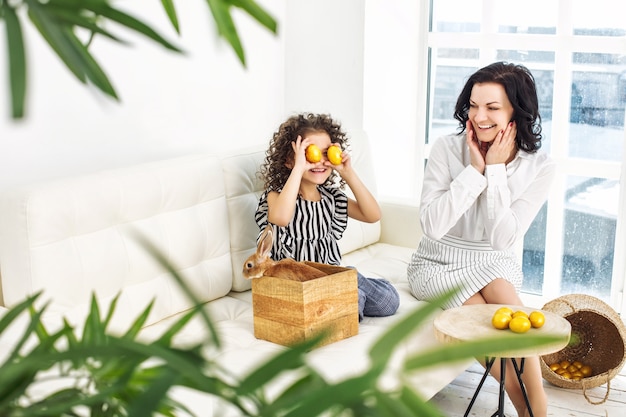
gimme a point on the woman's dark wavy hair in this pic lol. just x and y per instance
(274, 171)
(519, 85)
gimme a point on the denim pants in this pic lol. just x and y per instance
(377, 297)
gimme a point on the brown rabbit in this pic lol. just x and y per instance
(260, 264)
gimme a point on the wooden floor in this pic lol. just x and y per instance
(454, 399)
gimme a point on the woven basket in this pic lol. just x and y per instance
(598, 340)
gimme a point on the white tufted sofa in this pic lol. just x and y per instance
(72, 237)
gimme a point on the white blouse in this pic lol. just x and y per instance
(497, 207)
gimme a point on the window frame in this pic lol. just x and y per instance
(564, 44)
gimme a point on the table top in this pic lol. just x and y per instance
(471, 322)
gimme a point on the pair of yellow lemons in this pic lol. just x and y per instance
(517, 321)
(314, 154)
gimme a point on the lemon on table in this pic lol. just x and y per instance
(334, 154)
(501, 320)
(313, 153)
(537, 319)
(519, 324)
(506, 310)
(519, 313)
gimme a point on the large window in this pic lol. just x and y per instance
(575, 50)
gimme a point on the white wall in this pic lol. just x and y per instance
(170, 104)
(205, 100)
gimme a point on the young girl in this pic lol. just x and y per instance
(305, 204)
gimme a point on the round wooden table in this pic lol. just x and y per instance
(473, 322)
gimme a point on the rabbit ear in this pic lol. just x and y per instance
(265, 243)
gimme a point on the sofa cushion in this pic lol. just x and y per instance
(74, 236)
(243, 188)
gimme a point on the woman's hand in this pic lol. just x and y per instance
(477, 154)
(503, 147)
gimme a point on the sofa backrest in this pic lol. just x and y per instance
(76, 236)
(243, 188)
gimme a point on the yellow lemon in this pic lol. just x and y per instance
(500, 321)
(585, 370)
(313, 154)
(519, 313)
(519, 324)
(506, 310)
(334, 154)
(537, 319)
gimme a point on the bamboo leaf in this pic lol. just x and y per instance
(382, 350)
(91, 68)
(152, 397)
(137, 325)
(290, 358)
(17, 60)
(168, 5)
(57, 40)
(129, 22)
(257, 12)
(417, 404)
(226, 27)
(479, 348)
(162, 260)
(70, 17)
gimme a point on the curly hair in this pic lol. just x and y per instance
(274, 171)
(519, 86)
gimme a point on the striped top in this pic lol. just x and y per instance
(313, 232)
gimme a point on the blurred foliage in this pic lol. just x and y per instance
(95, 373)
(60, 22)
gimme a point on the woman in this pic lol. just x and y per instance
(482, 189)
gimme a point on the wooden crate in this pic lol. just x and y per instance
(288, 312)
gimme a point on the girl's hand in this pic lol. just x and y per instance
(503, 148)
(477, 154)
(299, 152)
(345, 165)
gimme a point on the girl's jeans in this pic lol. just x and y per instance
(377, 297)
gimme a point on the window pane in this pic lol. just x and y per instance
(598, 18)
(513, 16)
(533, 259)
(456, 16)
(448, 81)
(589, 236)
(598, 102)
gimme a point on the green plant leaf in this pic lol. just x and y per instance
(53, 34)
(17, 60)
(417, 404)
(150, 399)
(163, 261)
(168, 5)
(129, 22)
(257, 12)
(290, 358)
(70, 17)
(452, 352)
(382, 350)
(226, 27)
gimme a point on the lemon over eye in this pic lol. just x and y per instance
(334, 154)
(313, 154)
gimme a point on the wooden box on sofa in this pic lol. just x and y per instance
(287, 312)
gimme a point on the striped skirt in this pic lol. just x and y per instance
(440, 265)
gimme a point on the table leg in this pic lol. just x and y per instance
(518, 372)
